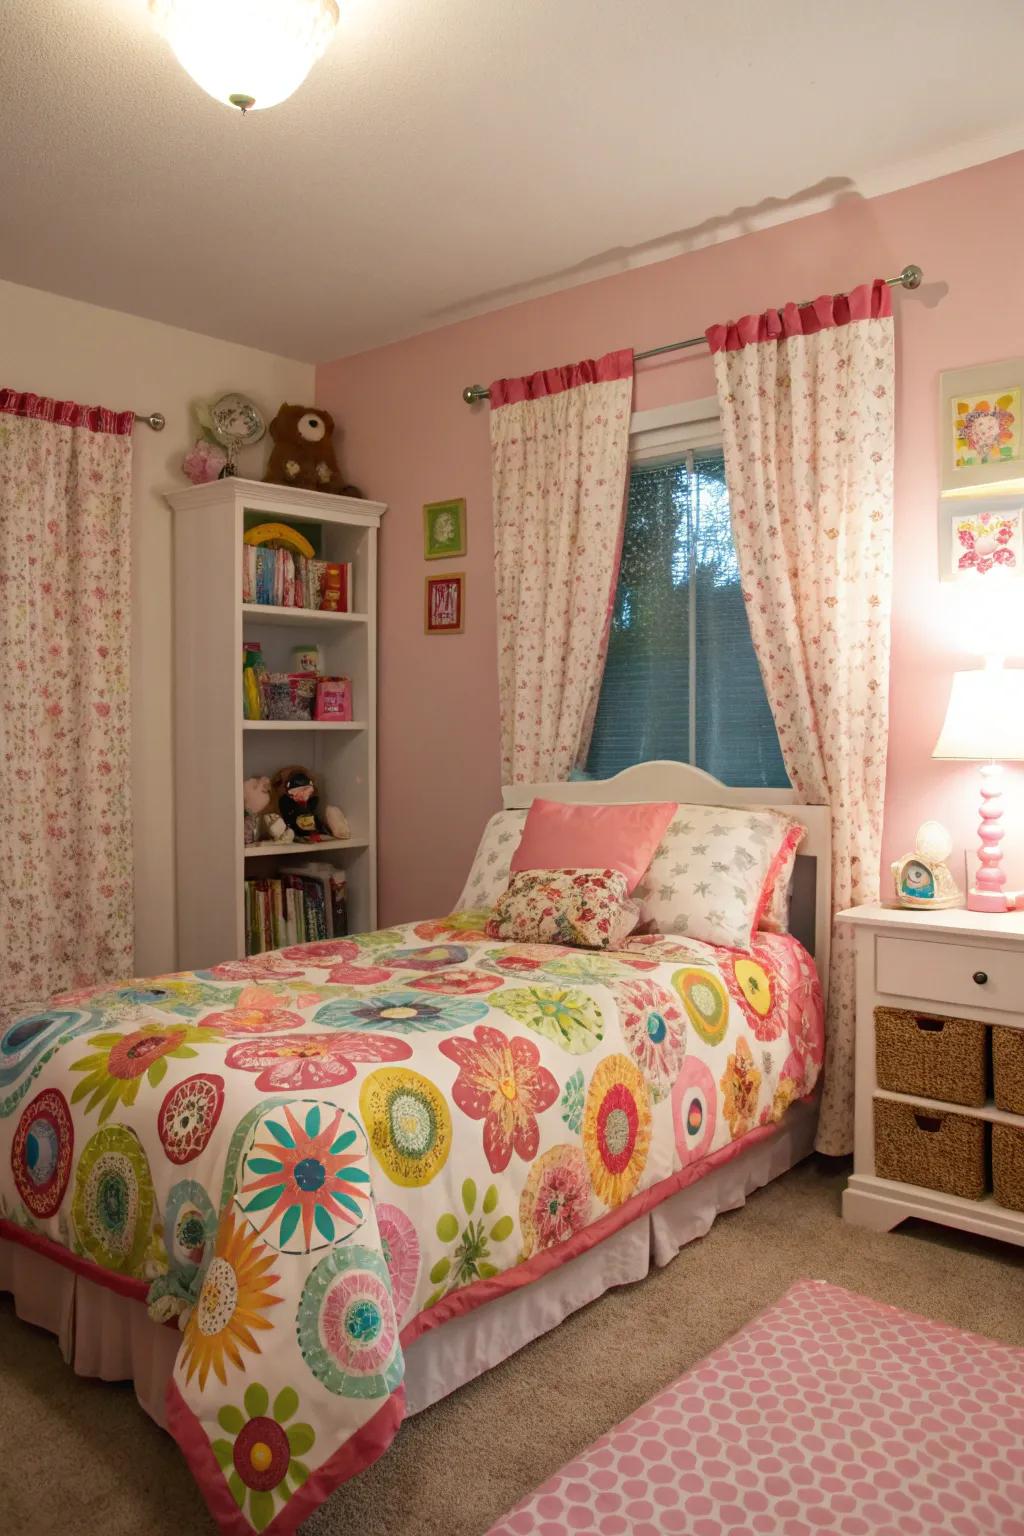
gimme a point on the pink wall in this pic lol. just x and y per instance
(409, 438)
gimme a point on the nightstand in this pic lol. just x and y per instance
(952, 965)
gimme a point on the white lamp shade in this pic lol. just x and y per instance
(251, 53)
(985, 716)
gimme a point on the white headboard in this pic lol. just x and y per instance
(810, 917)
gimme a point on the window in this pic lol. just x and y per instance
(681, 679)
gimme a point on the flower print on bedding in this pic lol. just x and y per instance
(303, 1156)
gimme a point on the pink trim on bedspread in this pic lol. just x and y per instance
(360, 1451)
(124, 1285)
(472, 1296)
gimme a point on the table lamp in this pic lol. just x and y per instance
(985, 723)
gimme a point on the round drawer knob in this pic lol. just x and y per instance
(981, 977)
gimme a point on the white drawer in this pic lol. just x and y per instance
(939, 972)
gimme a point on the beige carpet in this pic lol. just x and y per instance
(83, 1454)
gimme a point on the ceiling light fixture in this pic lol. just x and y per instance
(247, 53)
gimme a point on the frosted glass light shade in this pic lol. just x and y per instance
(247, 53)
(985, 716)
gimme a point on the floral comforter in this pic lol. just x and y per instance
(308, 1158)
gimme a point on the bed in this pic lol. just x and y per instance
(363, 1172)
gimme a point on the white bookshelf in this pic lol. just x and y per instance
(216, 749)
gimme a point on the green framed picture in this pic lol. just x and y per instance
(444, 529)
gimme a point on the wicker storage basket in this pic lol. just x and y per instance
(938, 1151)
(1008, 1068)
(934, 1057)
(1008, 1165)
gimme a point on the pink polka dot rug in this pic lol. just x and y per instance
(828, 1415)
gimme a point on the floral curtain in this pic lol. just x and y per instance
(66, 913)
(806, 395)
(560, 460)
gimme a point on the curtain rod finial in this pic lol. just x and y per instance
(911, 277)
(474, 392)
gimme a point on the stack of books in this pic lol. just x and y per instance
(285, 580)
(307, 904)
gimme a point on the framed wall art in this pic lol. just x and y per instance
(981, 539)
(445, 604)
(980, 429)
(444, 529)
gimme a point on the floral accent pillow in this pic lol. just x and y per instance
(584, 908)
(489, 874)
(713, 872)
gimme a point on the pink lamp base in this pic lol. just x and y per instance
(994, 901)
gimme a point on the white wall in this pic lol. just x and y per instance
(73, 351)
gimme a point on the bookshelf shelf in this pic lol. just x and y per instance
(301, 618)
(216, 749)
(309, 850)
(304, 725)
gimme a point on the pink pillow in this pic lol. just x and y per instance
(621, 837)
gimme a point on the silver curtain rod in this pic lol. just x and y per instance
(910, 277)
(154, 420)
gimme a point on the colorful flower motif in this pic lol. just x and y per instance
(556, 1199)
(297, 1063)
(41, 1153)
(694, 1111)
(304, 1168)
(236, 1293)
(431, 958)
(592, 969)
(182, 994)
(751, 980)
(568, 1017)
(403, 1010)
(408, 1123)
(616, 1128)
(25, 1040)
(346, 1324)
(706, 1002)
(266, 967)
(655, 1032)
(525, 961)
(380, 938)
(188, 1115)
(471, 1258)
(457, 983)
(467, 926)
(656, 947)
(323, 954)
(258, 1011)
(348, 975)
(112, 1206)
(571, 1104)
(115, 1070)
(261, 1459)
(502, 1083)
(740, 1084)
(401, 1248)
(190, 1225)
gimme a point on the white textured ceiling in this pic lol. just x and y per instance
(448, 156)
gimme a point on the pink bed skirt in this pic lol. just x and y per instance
(110, 1336)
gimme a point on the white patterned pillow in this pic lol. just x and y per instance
(488, 877)
(713, 872)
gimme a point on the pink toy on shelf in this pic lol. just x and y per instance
(333, 699)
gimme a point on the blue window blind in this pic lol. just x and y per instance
(681, 679)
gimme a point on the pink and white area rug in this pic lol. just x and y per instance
(829, 1413)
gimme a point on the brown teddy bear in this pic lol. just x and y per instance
(303, 453)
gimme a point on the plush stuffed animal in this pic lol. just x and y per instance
(303, 453)
(297, 803)
(255, 799)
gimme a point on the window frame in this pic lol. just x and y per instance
(671, 434)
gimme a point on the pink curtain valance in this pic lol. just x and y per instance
(65, 413)
(553, 381)
(871, 301)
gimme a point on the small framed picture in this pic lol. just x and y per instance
(445, 609)
(980, 429)
(981, 538)
(444, 529)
